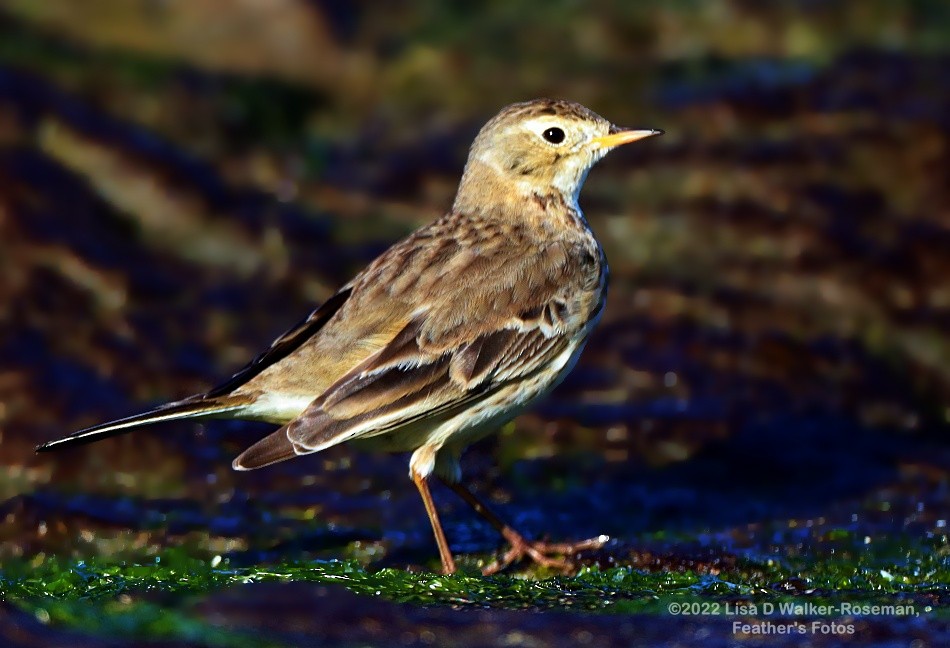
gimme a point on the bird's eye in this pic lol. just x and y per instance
(554, 135)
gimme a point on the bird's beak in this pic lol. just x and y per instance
(618, 136)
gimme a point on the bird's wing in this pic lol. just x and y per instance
(384, 396)
(404, 385)
(485, 313)
(283, 346)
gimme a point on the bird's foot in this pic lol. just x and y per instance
(553, 555)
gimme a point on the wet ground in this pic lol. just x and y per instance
(761, 417)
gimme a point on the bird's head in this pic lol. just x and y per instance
(540, 146)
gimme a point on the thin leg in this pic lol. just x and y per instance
(539, 552)
(448, 563)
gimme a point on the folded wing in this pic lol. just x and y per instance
(463, 341)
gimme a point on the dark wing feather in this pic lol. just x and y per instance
(286, 344)
(273, 448)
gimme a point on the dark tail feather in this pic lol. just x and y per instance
(186, 409)
(269, 450)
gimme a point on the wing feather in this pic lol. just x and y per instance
(375, 401)
(450, 338)
(286, 344)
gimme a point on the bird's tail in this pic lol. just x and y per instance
(190, 408)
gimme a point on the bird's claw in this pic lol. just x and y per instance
(553, 555)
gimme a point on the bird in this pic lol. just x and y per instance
(447, 335)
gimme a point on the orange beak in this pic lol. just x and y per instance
(620, 137)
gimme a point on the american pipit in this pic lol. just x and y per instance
(448, 334)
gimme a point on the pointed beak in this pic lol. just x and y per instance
(619, 136)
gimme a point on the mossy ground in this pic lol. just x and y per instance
(109, 597)
(121, 595)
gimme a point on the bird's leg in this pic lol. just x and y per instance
(547, 554)
(448, 563)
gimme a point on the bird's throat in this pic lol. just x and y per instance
(488, 191)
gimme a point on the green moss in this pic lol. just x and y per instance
(889, 568)
(116, 597)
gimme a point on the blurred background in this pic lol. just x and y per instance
(181, 181)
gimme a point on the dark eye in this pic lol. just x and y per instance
(553, 135)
